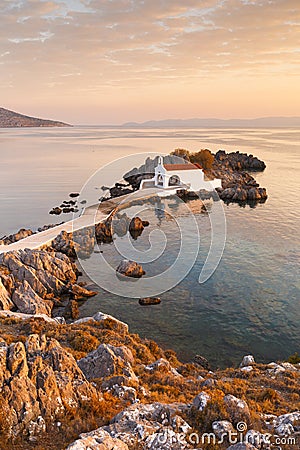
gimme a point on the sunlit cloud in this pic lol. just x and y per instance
(101, 50)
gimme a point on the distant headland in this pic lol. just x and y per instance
(11, 119)
(261, 122)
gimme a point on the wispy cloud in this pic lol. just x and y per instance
(79, 45)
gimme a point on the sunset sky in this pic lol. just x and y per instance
(112, 61)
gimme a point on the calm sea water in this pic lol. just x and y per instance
(249, 305)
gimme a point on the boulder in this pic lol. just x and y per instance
(56, 211)
(222, 427)
(237, 408)
(79, 292)
(107, 361)
(248, 360)
(97, 440)
(137, 226)
(201, 400)
(130, 269)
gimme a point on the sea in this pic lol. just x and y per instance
(249, 304)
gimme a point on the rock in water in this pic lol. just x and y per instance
(130, 269)
(149, 301)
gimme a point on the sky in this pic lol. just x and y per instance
(113, 61)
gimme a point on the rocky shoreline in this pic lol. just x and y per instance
(89, 384)
(93, 385)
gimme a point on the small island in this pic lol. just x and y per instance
(11, 119)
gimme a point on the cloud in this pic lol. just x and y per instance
(90, 45)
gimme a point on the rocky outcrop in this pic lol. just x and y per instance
(237, 185)
(39, 382)
(130, 269)
(240, 161)
(153, 426)
(98, 440)
(120, 327)
(28, 302)
(5, 301)
(107, 361)
(80, 243)
(21, 234)
(33, 280)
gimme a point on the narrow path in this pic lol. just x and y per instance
(91, 215)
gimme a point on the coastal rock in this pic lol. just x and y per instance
(21, 316)
(107, 361)
(80, 243)
(222, 427)
(56, 211)
(137, 226)
(97, 440)
(5, 301)
(240, 161)
(130, 269)
(149, 301)
(106, 319)
(79, 292)
(162, 366)
(28, 302)
(39, 380)
(238, 409)
(248, 360)
(201, 400)
(35, 278)
(201, 361)
(21, 234)
(141, 423)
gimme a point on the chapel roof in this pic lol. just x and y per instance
(187, 166)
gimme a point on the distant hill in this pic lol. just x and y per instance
(262, 122)
(11, 119)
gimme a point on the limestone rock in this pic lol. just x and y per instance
(116, 324)
(21, 316)
(28, 302)
(38, 381)
(201, 400)
(222, 427)
(247, 361)
(237, 408)
(5, 301)
(107, 361)
(97, 440)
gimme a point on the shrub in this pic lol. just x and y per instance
(204, 157)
